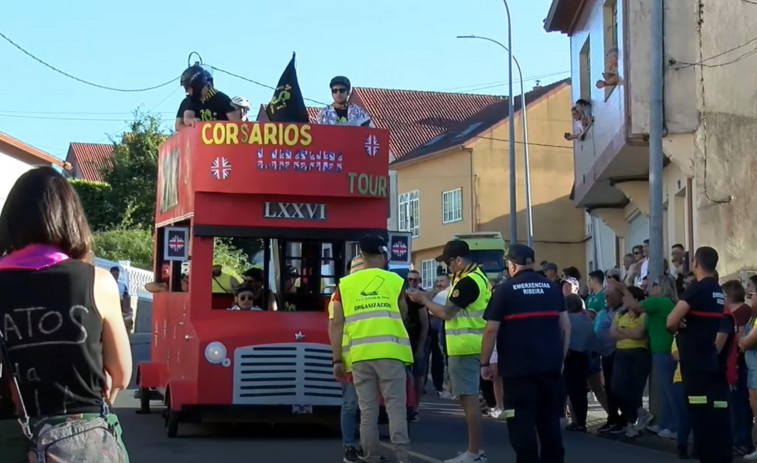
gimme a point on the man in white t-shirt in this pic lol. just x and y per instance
(644, 270)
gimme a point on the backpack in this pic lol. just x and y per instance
(66, 439)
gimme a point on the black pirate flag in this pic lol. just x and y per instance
(287, 104)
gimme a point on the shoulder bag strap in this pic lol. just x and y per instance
(23, 416)
(219, 283)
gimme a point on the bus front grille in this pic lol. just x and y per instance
(285, 374)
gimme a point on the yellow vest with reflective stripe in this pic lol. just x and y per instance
(373, 323)
(465, 331)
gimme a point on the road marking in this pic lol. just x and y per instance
(417, 455)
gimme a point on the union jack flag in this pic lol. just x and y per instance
(220, 169)
(176, 243)
(371, 145)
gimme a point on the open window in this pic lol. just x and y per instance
(299, 275)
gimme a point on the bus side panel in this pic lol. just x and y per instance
(182, 346)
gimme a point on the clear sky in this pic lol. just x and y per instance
(406, 44)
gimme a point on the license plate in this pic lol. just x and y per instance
(302, 409)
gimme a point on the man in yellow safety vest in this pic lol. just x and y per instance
(464, 326)
(369, 339)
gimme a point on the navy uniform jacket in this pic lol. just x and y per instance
(529, 341)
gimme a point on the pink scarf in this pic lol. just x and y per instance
(33, 257)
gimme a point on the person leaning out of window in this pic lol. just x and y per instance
(76, 366)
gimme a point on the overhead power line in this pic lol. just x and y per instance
(702, 62)
(78, 79)
(270, 87)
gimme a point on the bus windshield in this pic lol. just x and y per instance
(491, 261)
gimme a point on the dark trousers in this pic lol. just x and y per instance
(629, 377)
(741, 412)
(532, 407)
(575, 373)
(436, 360)
(707, 396)
(613, 415)
(682, 415)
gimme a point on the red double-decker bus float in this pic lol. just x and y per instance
(309, 192)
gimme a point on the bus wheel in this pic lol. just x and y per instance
(172, 420)
(144, 401)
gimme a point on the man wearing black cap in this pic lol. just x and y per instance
(528, 319)
(464, 327)
(369, 339)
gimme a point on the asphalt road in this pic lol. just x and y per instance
(439, 435)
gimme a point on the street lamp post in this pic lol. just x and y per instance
(511, 105)
(526, 159)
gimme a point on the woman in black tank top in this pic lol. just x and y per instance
(62, 321)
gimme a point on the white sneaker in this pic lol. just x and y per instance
(467, 457)
(447, 395)
(631, 431)
(665, 433)
(496, 413)
(751, 456)
(644, 419)
(654, 429)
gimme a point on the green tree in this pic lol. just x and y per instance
(133, 174)
(93, 197)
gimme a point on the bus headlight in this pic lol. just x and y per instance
(215, 353)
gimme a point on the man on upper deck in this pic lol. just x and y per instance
(203, 102)
(342, 112)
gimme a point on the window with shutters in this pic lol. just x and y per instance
(409, 213)
(452, 206)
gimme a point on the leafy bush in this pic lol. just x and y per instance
(233, 259)
(119, 244)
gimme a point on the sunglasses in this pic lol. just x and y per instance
(246, 298)
(338, 90)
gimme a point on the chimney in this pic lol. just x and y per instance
(537, 85)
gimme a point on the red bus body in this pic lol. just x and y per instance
(293, 181)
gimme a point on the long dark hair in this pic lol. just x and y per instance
(43, 208)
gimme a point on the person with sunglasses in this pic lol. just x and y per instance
(342, 111)
(463, 313)
(244, 296)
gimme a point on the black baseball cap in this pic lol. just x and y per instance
(520, 254)
(373, 245)
(454, 249)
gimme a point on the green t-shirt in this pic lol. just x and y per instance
(596, 302)
(657, 310)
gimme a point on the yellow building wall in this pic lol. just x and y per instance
(431, 177)
(559, 227)
(481, 169)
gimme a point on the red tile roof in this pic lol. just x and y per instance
(31, 151)
(472, 127)
(312, 114)
(91, 158)
(415, 117)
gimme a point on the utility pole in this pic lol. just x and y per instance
(657, 79)
(511, 116)
(526, 160)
